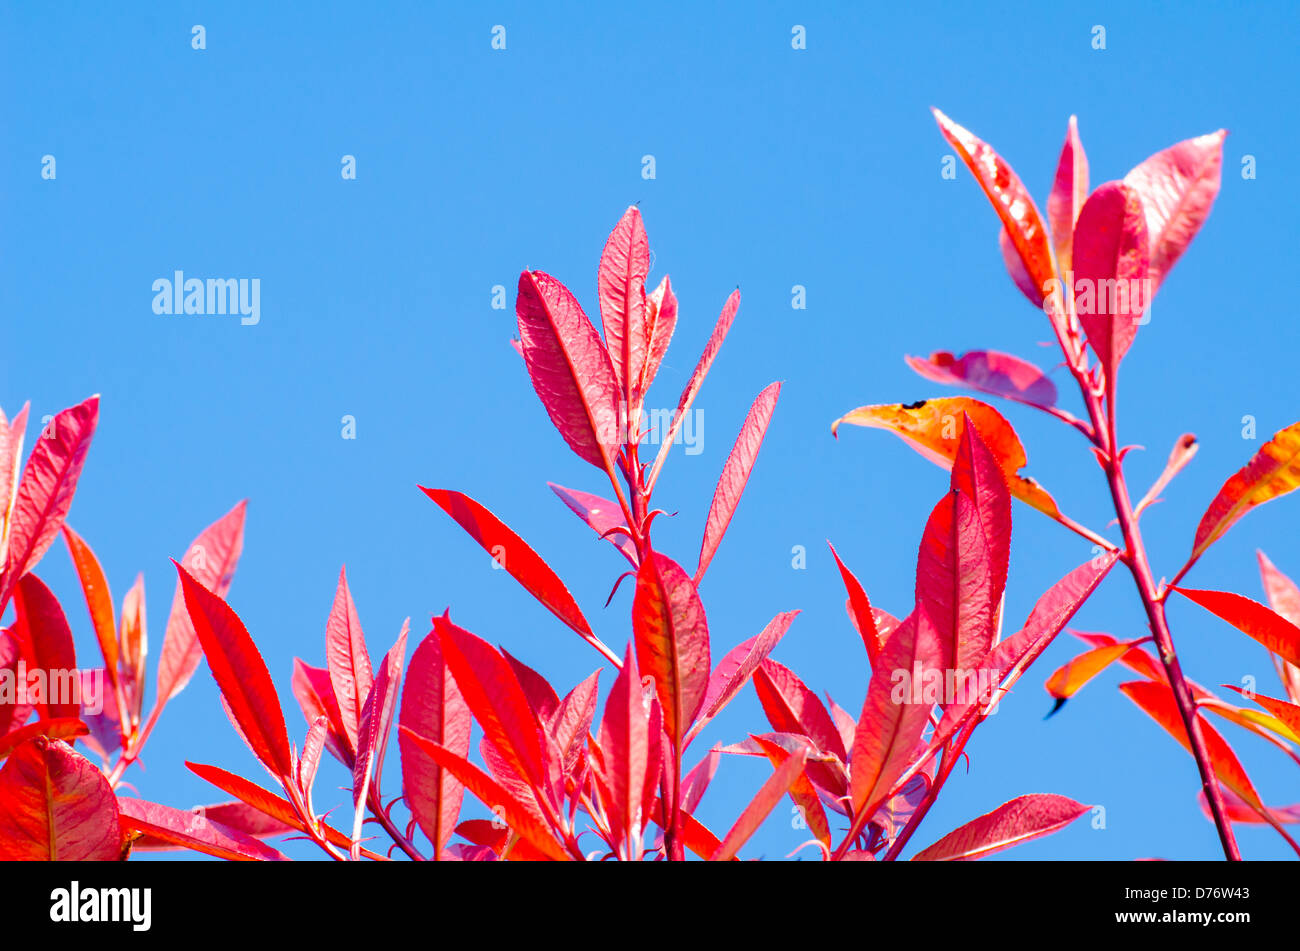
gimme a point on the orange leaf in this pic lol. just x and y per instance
(1157, 702)
(1273, 471)
(934, 427)
(1069, 679)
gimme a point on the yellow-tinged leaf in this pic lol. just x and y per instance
(933, 428)
(1274, 471)
(1066, 681)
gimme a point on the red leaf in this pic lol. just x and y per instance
(1010, 199)
(988, 371)
(802, 792)
(661, 319)
(1182, 453)
(211, 560)
(693, 385)
(893, 720)
(1013, 656)
(372, 732)
(1177, 187)
(736, 668)
(241, 674)
(133, 640)
(762, 804)
(11, 460)
(1284, 598)
(315, 695)
(672, 641)
(1238, 810)
(569, 367)
(46, 489)
(1251, 618)
(46, 642)
(193, 831)
(1111, 262)
(625, 744)
(312, 747)
(1156, 700)
(521, 562)
(623, 267)
(65, 728)
(267, 802)
(601, 515)
(792, 708)
(962, 564)
(98, 599)
(432, 707)
(697, 780)
(954, 583)
(571, 724)
(56, 806)
(348, 660)
(1288, 713)
(860, 611)
(492, 795)
(1021, 819)
(542, 697)
(735, 474)
(1016, 268)
(493, 695)
(1069, 192)
(243, 817)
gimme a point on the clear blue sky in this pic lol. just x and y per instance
(775, 167)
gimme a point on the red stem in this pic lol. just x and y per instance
(1135, 556)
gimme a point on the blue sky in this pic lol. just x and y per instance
(775, 167)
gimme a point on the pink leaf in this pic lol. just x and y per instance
(1177, 187)
(761, 806)
(348, 660)
(56, 806)
(736, 668)
(625, 745)
(569, 367)
(988, 371)
(46, 489)
(46, 641)
(1069, 192)
(1111, 261)
(693, 385)
(601, 515)
(192, 830)
(1021, 819)
(432, 707)
(623, 267)
(735, 474)
(893, 719)
(661, 319)
(211, 561)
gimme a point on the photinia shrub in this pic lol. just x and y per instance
(569, 777)
(1093, 266)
